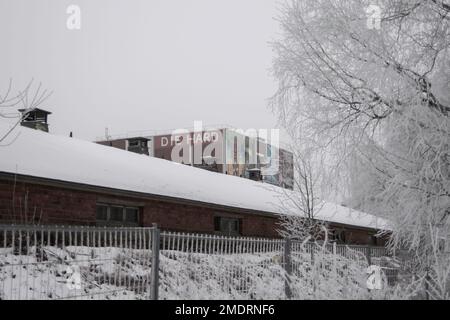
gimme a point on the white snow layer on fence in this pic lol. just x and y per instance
(36, 153)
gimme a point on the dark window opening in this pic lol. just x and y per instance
(102, 212)
(131, 214)
(338, 236)
(341, 236)
(137, 143)
(227, 226)
(117, 215)
(134, 143)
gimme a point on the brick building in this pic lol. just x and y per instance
(52, 179)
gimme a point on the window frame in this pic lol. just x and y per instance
(134, 143)
(123, 221)
(338, 235)
(97, 213)
(137, 211)
(121, 208)
(235, 230)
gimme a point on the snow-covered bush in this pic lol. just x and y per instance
(326, 275)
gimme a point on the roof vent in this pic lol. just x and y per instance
(35, 118)
(138, 145)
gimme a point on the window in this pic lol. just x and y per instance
(341, 236)
(117, 215)
(137, 143)
(227, 226)
(337, 235)
(131, 214)
(134, 143)
(102, 212)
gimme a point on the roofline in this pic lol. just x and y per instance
(121, 192)
(151, 134)
(35, 109)
(150, 196)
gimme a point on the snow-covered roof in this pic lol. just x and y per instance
(39, 154)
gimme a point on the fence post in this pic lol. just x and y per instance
(313, 266)
(334, 258)
(155, 263)
(287, 268)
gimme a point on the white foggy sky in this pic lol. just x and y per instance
(137, 65)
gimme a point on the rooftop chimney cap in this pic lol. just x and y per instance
(35, 118)
(37, 110)
(138, 138)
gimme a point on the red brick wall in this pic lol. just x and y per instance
(46, 204)
(120, 143)
(358, 237)
(54, 205)
(62, 206)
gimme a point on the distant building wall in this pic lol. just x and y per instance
(233, 153)
(120, 143)
(165, 146)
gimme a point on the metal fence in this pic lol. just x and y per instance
(76, 262)
(231, 266)
(239, 267)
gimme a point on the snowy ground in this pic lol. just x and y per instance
(113, 273)
(76, 272)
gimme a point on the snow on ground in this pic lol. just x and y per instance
(237, 276)
(115, 273)
(74, 273)
(70, 159)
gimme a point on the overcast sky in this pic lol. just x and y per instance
(137, 65)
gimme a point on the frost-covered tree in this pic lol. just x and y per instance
(374, 90)
(28, 99)
(302, 206)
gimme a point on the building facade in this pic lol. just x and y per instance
(26, 199)
(48, 179)
(224, 150)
